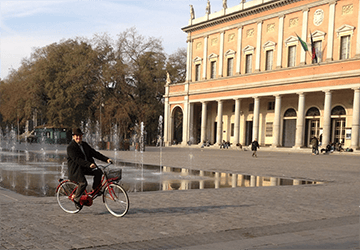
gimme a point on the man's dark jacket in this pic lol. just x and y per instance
(76, 160)
(254, 146)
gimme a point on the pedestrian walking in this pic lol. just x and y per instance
(254, 147)
(315, 145)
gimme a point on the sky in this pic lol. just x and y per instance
(26, 25)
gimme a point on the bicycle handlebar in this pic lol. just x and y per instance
(103, 167)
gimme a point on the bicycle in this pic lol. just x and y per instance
(114, 196)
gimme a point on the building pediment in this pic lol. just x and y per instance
(291, 40)
(318, 35)
(213, 56)
(269, 45)
(230, 52)
(345, 29)
(249, 48)
(197, 60)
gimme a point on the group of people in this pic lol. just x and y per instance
(225, 144)
(331, 147)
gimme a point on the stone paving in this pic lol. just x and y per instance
(281, 217)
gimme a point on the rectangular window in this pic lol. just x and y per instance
(251, 107)
(197, 72)
(248, 64)
(292, 56)
(230, 66)
(232, 129)
(271, 105)
(213, 70)
(318, 51)
(269, 129)
(269, 59)
(345, 47)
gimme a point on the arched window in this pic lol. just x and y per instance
(290, 113)
(338, 110)
(313, 111)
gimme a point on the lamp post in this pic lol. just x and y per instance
(101, 105)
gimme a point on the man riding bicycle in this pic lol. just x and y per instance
(80, 163)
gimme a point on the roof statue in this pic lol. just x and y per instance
(225, 4)
(192, 12)
(208, 11)
(168, 80)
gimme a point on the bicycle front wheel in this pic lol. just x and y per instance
(116, 200)
(63, 196)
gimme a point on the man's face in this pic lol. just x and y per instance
(77, 138)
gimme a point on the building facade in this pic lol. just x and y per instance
(250, 77)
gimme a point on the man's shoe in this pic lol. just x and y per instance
(78, 205)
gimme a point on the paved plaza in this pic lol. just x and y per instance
(322, 216)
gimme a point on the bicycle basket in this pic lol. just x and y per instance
(114, 174)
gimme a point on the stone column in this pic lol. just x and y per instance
(277, 120)
(331, 28)
(185, 135)
(358, 34)
(252, 181)
(171, 127)
(280, 42)
(296, 182)
(256, 118)
(203, 122)
(327, 118)
(205, 60)
(221, 56)
(166, 121)
(217, 180)
(237, 121)
(304, 35)
(258, 46)
(300, 121)
(219, 129)
(191, 123)
(234, 180)
(239, 54)
(188, 61)
(273, 181)
(241, 180)
(355, 121)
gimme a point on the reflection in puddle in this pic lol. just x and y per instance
(169, 178)
(36, 175)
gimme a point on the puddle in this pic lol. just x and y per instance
(38, 174)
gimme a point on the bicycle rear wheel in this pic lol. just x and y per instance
(116, 200)
(63, 196)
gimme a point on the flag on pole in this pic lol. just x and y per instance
(313, 50)
(303, 44)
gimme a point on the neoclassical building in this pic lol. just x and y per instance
(249, 77)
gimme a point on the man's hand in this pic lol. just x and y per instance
(92, 165)
(109, 161)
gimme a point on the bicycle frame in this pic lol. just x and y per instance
(114, 196)
(105, 182)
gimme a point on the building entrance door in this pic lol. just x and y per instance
(249, 130)
(215, 132)
(338, 130)
(289, 132)
(312, 129)
(177, 126)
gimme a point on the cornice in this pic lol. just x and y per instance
(248, 12)
(239, 14)
(278, 82)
